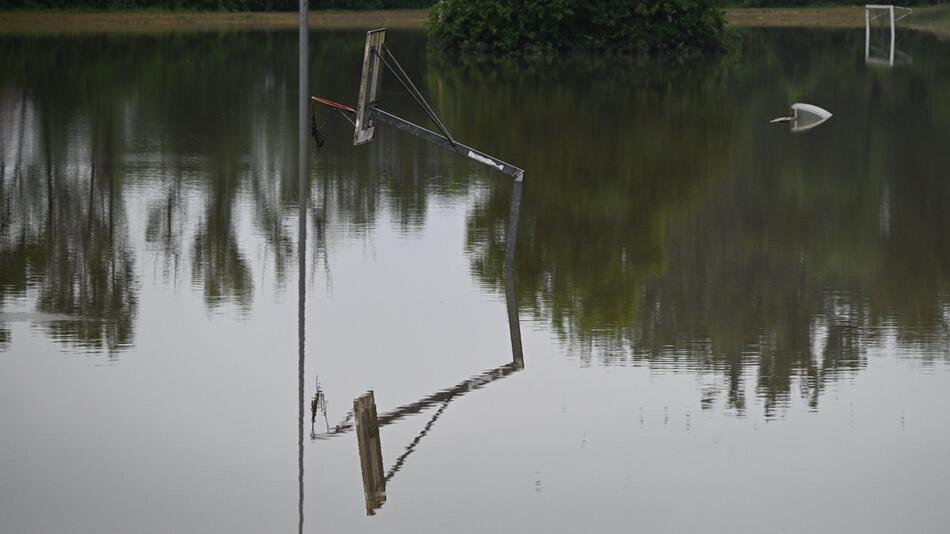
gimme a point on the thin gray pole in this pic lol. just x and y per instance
(867, 33)
(511, 295)
(302, 174)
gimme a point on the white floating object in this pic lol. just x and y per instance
(805, 117)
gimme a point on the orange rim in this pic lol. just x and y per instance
(332, 104)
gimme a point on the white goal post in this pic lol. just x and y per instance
(889, 11)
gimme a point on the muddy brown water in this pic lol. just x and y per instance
(708, 323)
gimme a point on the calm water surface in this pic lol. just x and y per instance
(724, 326)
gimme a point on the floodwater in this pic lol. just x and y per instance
(707, 323)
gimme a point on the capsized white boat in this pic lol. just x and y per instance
(805, 117)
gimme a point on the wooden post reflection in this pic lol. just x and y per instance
(371, 454)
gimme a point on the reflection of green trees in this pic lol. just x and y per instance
(216, 258)
(663, 220)
(676, 228)
(200, 127)
(179, 106)
(64, 240)
(601, 176)
(90, 271)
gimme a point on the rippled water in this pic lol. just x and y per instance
(724, 326)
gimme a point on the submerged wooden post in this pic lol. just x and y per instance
(371, 454)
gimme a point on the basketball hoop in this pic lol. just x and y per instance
(375, 56)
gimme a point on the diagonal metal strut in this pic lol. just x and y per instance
(410, 87)
(444, 142)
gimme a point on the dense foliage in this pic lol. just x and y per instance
(224, 5)
(291, 5)
(506, 26)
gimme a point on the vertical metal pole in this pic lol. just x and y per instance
(893, 30)
(511, 297)
(302, 174)
(303, 99)
(867, 34)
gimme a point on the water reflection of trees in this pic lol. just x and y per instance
(653, 229)
(658, 234)
(64, 240)
(200, 130)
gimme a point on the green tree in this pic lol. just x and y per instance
(668, 27)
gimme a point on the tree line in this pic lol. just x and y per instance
(292, 5)
(212, 5)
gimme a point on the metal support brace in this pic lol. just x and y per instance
(444, 142)
(410, 88)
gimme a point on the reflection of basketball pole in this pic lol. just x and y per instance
(511, 298)
(484, 378)
(367, 113)
(364, 415)
(366, 421)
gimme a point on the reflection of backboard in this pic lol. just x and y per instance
(369, 86)
(371, 456)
